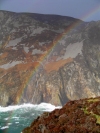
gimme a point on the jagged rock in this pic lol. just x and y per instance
(47, 58)
(79, 116)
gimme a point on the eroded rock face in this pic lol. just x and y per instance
(47, 58)
(79, 116)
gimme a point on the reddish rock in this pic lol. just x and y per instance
(80, 116)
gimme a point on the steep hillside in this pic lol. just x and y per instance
(47, 58)
(79, 116)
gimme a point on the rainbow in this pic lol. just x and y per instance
(53, 45)
(90, 13)
(60, 37)
(55, 42)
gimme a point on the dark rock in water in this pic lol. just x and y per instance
(79, 116)
(48, 58)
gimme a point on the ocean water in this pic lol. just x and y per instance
(13, 119)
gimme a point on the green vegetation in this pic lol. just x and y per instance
(92, 100)
(87, 110)
(98, 118)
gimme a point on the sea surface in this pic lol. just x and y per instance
(13, 119)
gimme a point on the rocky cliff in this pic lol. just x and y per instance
(79, 116)
(48, 58)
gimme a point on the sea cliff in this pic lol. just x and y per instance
(48, 58)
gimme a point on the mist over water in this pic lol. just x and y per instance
(13, 119)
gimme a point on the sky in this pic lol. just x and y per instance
(87, 10)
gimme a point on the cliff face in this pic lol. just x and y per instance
(80, 116)
(47, 58)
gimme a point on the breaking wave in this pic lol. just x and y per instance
(13, 119)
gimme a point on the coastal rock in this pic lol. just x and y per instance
(47, 58)
(79, 116)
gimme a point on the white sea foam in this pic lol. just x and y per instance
(42, 106)
(16, 118)
(46, 106)
(6, 119)
(20, 116)
(5, 127)
(16, 122)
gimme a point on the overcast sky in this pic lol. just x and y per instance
(86, 10)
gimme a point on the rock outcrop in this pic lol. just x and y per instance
(79, 116)
(48, 58)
